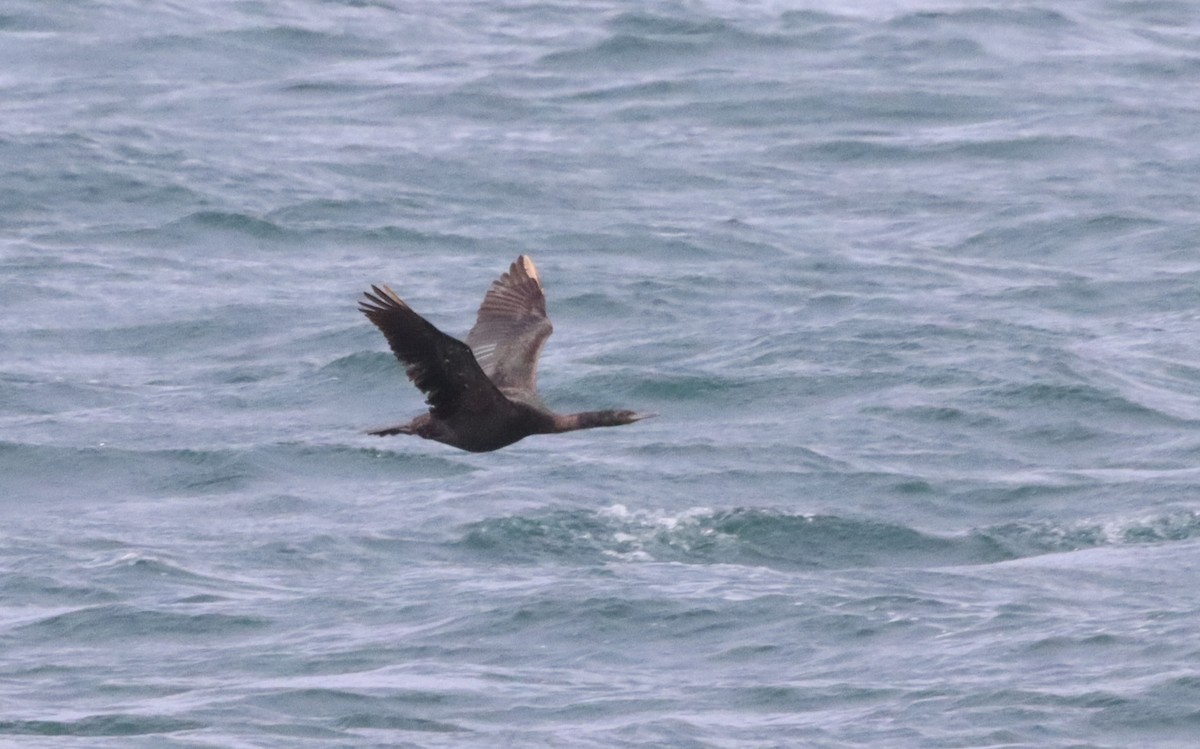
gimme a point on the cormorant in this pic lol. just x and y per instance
(482, 394)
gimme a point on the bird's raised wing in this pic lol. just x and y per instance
(511, 329)
(442, 367)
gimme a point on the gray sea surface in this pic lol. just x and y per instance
(914, 285)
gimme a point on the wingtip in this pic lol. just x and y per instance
(525, 263)
(387, 290)
(382, 296)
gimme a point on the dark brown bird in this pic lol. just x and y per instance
(482, 394)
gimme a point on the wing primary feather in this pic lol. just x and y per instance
(439, 365)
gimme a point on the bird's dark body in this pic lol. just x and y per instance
(481, 435)
(482, 394)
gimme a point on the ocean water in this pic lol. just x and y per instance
(914, 285)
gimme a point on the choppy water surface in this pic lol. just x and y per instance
(914, 285)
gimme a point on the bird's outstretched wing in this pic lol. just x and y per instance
(511, 329)
(441, 366)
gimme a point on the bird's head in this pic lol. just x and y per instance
(619, 417)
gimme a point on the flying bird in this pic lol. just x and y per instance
(482, 394)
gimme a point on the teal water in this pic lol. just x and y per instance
(913, 286)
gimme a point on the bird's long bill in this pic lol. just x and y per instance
(640, 416)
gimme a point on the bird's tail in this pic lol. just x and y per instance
(389, 431)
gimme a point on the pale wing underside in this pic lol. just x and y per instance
(511, 330)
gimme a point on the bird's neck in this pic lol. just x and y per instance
(583, 420)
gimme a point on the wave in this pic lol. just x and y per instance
(985, 19)
(225, 221)
(118, 724)
(117, 622)
(769, 538)
(642, 39)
